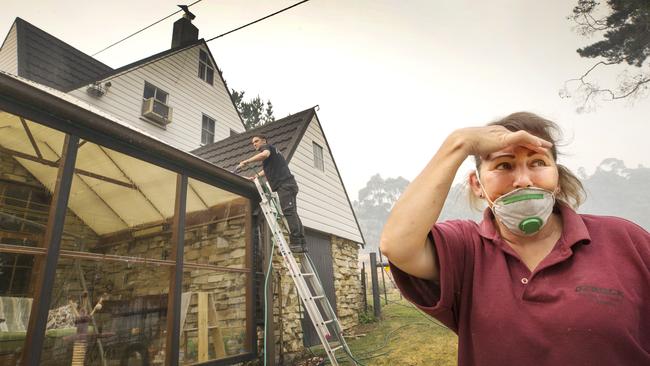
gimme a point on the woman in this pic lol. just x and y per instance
(534, 283)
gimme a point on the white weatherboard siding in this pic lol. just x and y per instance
(9, 53)
(189, 96)
(322, 202)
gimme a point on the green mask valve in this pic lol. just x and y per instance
(531, 225)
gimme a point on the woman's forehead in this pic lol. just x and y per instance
(515, 151)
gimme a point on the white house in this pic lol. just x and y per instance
(179, 97)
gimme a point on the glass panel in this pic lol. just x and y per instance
(29, 160)
(16, 298)
(318, 157)
(210, 76)
(128, 328)
(15, 274)
(216, 227)
(121, 206)
(203, 56)
(161, 96)
(149, 91)
(213, 315)
(202, 70)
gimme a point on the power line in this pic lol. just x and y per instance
(211, 39)
(145, 28)
(258, 20)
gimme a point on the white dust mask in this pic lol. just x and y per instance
(523, 211)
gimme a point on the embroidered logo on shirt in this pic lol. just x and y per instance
(600, 295)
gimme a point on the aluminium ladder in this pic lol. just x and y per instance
(308, 284)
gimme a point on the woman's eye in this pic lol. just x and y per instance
(503, 166)
(538, 162)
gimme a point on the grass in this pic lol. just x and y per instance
(403, 336)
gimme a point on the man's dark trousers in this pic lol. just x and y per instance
(287, 193)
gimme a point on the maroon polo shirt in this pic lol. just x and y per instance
(587, 303)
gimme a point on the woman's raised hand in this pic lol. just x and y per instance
(483, 141)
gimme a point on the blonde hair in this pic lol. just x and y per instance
(571, 190)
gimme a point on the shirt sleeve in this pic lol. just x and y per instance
(452, 242)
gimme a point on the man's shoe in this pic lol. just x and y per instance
(298, 248)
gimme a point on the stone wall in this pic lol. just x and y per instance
(348, 295)
(221, 243)
(287, 320)
(346, 281)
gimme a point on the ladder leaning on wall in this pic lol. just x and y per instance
(308, 284)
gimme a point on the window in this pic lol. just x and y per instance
(207, 130)
(151, 91)
(318, 157)
(206, 70)
(154, 105)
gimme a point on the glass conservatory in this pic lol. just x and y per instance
(116, 248)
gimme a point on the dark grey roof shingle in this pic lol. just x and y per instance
(285, 134)
(49, 61)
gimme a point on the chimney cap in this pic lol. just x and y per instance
(188, 14)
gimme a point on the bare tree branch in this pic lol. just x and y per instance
(587, 91)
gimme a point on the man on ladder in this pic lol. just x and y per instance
(277, 173)
(309, 287)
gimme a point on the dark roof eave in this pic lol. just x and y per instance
(21, 94)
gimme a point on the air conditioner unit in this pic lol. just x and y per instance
(157, 111)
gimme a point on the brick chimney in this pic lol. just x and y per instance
(184, 31)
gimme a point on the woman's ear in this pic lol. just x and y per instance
(474, 185)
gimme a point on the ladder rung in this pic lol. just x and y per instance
(307, 274)
(336, 349)
(319, 297)
(328, 321)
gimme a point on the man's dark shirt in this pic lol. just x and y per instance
(275, 167)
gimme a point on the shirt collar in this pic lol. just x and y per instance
(573, 228)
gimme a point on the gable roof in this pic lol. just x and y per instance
(285, 134)
(151, 59)
(47, 60)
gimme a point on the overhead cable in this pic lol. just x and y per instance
(145, 28)
(211, 39)
(258, 20)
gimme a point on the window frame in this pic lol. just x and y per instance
(319, 161)
(206, 68)
(207, 131)
(155, 95)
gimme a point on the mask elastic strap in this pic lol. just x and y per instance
(487, 197)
